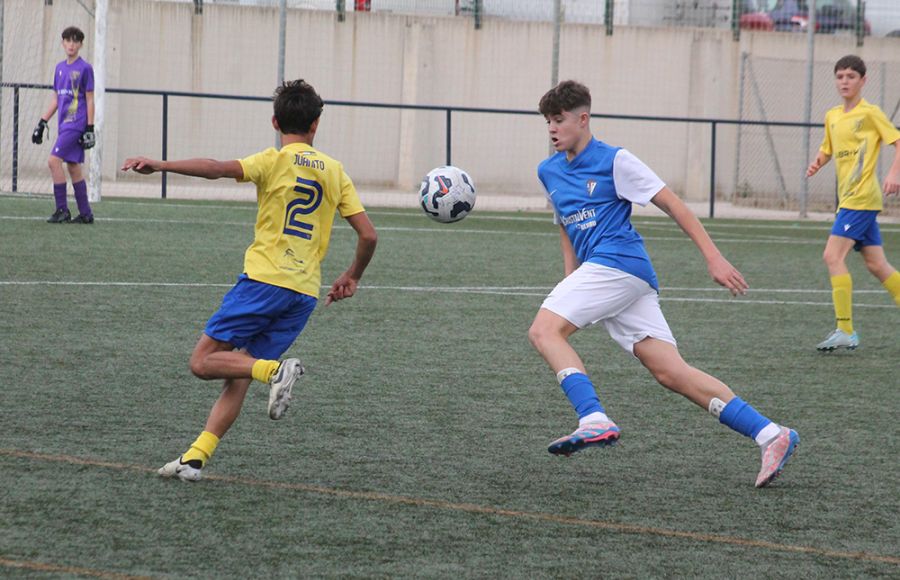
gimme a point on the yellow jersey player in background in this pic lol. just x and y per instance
(299, 189)
(854, 132)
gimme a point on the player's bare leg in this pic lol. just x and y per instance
(878, 265)
(214, 359)
(228, 406)
(835, 254)
(56, 169)
(664, 362)
(549, 334)
(876, 262)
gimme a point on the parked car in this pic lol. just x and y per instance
(832, 16)
(754, 16)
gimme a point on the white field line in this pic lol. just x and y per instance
(709, 224)
(437, 230)
(530, 291)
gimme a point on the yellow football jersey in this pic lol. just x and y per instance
(853, 139)
(298, 190)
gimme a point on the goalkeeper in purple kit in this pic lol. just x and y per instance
(73, 97)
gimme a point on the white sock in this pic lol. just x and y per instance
(768, 433)
(596, 417)
(561, 375)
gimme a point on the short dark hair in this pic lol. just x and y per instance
(851, 61)
(566, 96)
(297, 106)
(73, 33)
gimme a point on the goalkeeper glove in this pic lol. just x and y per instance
(88, 139)
(38, 136)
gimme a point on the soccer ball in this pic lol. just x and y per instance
(447, 194)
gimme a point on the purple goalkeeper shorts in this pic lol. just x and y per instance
(68, 148)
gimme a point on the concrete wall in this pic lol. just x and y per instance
(385, 58)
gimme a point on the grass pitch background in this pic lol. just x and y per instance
(416, 445)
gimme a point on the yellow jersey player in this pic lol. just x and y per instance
(854, 132)
(299, 190)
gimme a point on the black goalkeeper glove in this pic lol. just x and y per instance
(88, 139)
(38, 136)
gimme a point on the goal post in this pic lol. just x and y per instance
(95, 181)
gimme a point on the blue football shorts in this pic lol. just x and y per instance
(858, 225)
(259, 317)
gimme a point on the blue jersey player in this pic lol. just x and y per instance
(610, 280)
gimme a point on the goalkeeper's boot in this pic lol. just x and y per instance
(838, 339)
(776, 454)
(60, 216)
(83, 219)
(280, 386)
(183, 470)
(591, 435)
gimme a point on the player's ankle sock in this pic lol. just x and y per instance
(842, 295)
(580, 391)
(264, 370)
(201, 449)
(59, 195)
(81, 198)
(743, 418)
(593, 418)
(892, 283)
(767, 433)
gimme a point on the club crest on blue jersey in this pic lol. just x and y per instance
(591, 184)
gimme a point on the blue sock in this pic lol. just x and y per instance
(743, 418)
(580, 391)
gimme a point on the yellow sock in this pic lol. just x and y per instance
(842, 295)
(892, 283)
(202, 448)
(264, 370)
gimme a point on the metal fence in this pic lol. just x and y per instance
(860, 18)
(723, 135)
(447, 113)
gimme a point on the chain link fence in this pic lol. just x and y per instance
(428, 52)
(770, 168)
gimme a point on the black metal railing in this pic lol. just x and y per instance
(448, 111)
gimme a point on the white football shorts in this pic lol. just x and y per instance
(626, 305)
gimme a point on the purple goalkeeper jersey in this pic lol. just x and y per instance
(71, 82)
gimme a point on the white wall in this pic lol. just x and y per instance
(385, 58)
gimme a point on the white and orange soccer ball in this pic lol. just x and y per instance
(447, 194)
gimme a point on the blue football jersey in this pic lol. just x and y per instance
(592, 196)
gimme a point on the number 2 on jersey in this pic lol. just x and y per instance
(308, 199)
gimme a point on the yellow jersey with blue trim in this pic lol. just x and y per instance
(853, 139)
(298, 190)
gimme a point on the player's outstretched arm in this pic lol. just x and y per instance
(817, 164)
(208, 168)
(719, 268)
(891, 184)
(367, 238)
